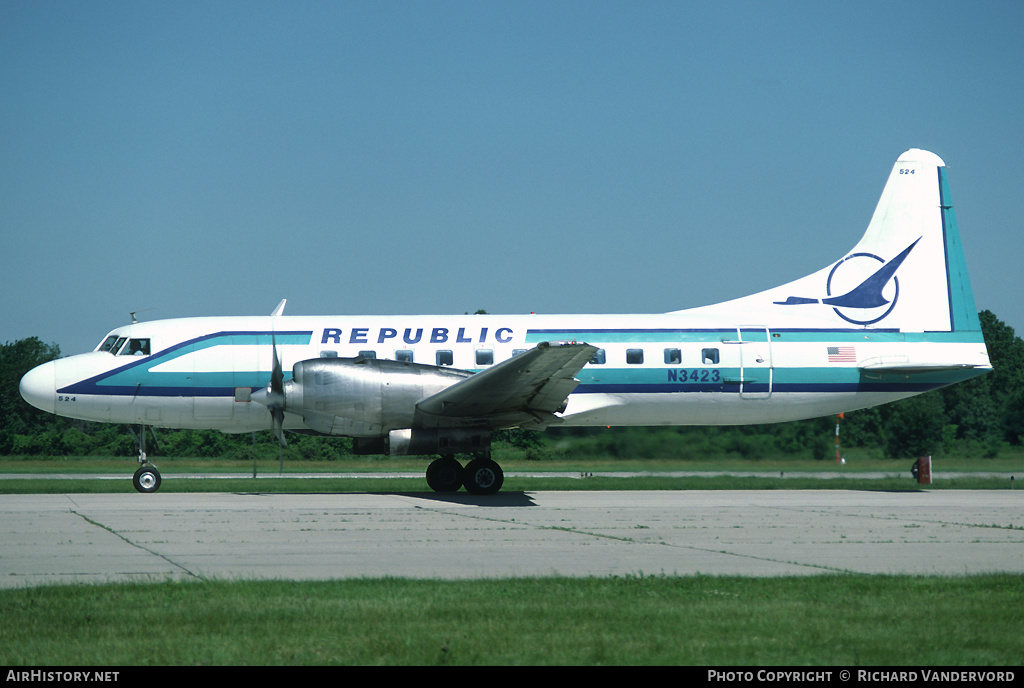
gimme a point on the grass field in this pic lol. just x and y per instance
(827, 620)
(864, 473)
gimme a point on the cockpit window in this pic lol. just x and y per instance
(136, 347)
(108, 343)
(113, 344)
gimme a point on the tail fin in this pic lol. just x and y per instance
(907, 273)
(914, 229)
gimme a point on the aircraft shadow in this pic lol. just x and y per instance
(502, 499)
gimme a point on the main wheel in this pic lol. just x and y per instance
(146, 479)
(483, 477)
(444, 475)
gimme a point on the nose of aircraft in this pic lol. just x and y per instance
(38, 385)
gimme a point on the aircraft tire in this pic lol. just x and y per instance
(444, 475)
(146, 479)
(483, 477)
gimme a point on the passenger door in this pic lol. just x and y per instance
(756, 370)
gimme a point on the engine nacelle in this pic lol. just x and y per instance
(409, 441)
(427, 441)
(362, 397)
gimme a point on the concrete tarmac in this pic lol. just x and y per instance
(86, 538)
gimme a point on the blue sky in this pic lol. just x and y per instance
(212, 158)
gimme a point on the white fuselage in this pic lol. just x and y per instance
(669, 369)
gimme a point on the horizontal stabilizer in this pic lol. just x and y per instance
(918, 369)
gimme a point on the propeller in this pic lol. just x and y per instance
(275, 397)
(272, 396)
(275, 403)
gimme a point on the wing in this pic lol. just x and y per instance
(526, 390)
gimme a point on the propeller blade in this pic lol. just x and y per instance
(275, 397)
(272, 396)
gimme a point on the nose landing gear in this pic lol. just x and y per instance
(147, 477)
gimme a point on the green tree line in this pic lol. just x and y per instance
(979, 417)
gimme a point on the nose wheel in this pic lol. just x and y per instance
(147, 477)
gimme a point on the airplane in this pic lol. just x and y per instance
(892, 318)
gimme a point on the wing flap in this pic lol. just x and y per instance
(528, 389)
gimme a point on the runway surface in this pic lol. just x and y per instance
(50, 539)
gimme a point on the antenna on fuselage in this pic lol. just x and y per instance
(280, 307)
(132, 313)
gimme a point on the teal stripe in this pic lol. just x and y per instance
(683, 336)
(780, 376)
(963, 312)
(142, 372)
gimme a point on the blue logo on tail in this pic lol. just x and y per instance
(867, 298)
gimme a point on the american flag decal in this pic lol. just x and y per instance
(841, 354)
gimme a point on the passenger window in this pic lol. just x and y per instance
(136, 347)
(598, 358)
(368, 354)
(404, 355)
(484, 357)
(444, 357)
(516, 352)
(673, 356)
(328, 354)
(709, 356)
(634, 356)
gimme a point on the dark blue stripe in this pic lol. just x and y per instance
(759, 388)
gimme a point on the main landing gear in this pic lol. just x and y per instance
(481, 476)
(147, 478)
